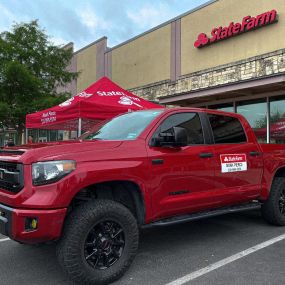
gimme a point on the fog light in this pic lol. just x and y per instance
(34, 224)
(31, 224)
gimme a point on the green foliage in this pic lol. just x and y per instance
(31, 69)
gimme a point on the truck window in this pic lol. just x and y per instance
(190, 121)
(226, 129)
(124, 127)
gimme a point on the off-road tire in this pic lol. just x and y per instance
(70, 248)
(271, 208)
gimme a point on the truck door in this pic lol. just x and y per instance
(238, 162)
(181, 177)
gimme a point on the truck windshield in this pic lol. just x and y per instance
(125, 127)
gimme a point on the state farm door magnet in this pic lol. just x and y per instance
(233, 162)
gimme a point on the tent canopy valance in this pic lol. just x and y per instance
(100, 101)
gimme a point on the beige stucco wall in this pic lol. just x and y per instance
(144, 60)
(221, 13)
(86, 64)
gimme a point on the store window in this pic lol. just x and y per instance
(52, 135)
(255, 113)
(43, 136)
(228, 107)
(277, 120)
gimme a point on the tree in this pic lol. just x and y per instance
(31, 69)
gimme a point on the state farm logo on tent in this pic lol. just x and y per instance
(233, 162)
(83, 94)
(113, 93)
(124, 100)
(67, 102)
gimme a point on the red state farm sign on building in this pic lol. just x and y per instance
(248, 24)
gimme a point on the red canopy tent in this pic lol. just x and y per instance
(100, 101)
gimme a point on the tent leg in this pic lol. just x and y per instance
(27, 131)
(79, 127)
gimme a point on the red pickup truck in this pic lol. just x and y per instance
(141, 169)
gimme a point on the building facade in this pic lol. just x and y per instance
(225, 54)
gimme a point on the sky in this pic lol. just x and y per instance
(85, 21)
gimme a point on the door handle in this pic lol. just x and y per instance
(206, 154)
(157, 161)
(254, 153)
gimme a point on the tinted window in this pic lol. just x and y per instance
(227, 129)
(189, 121)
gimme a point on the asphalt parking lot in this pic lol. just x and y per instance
(169, 253)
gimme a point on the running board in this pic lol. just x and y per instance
(202, 215)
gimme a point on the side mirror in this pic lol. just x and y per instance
(180, 136)
(176, 137)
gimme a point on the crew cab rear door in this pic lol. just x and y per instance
(181, 178)
(238, 160)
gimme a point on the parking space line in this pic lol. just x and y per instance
(4, 239)
(225, 261)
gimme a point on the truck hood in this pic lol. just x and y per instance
(54, 150)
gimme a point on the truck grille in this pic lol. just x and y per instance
(11, 176)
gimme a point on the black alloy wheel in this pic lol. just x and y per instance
(104, 245)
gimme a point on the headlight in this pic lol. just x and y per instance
(51, 171)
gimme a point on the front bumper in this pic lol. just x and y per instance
(13, 223)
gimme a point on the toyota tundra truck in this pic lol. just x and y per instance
(149, 168)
